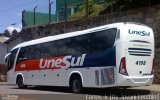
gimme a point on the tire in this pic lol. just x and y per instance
(20, 83)
(76, 85)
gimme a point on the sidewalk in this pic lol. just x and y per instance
(152, 88)
(5, 83)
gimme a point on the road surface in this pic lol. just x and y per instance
(11, 92)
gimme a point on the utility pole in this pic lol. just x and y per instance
(111, 6)
(23, 21)
(34, 15)
(65, 9)
(50, 5)
(116, 5)
(87, 8)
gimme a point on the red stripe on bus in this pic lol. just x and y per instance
(35, 64)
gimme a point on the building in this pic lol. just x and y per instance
(31, 18)
(3, 52)
(73, 6)
(40, 19)
(6, 44)
(3, 48)
(13, 41)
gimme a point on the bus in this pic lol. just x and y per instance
(114, 55)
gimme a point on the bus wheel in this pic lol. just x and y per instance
(20, 82)
(76, 85)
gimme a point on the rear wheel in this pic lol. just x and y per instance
(20, 83)
(76, 85)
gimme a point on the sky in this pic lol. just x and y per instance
(11, 12)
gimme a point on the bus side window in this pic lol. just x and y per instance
(47, 50)
(34, 52)
(22, 53)
(102, 40)
(63, 47)
(11, 59)
(81, 44)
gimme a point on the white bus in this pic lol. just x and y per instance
(118, 54)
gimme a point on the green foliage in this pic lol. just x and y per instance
(14, 32)
(6, 33)
(82, 7)
(109, 6)
(90, 6)
(108, 1)
(94, 10)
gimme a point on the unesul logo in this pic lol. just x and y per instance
(66, 61)
(142, 33)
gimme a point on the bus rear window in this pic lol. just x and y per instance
(102, 40)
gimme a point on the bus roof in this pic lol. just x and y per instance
(71, 34)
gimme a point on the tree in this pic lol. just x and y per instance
(14, 32)
(108, 1)
(90, 6)
(6, 33)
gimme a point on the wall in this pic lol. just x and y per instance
(149, 16)
(3, 72)
(13, 43)
(40, 18)
(3, 52)
(60, 5)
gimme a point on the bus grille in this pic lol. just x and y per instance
(97, 77)
(104, 76)
(139, 51)
(141, 80)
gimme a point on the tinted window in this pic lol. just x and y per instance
(47, 50)
(88, 43)
(63, 47)
(23, 53)
(81, 44)
(102, 40)
(34, 52)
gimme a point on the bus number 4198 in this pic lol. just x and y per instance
(140, 62)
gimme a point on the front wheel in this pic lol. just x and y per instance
(76, 85)
(20, 83)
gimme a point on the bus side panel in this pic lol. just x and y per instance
(47, 77)
(120, 53)
(53, 77)
(100, 77)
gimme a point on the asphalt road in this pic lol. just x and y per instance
(11, 92)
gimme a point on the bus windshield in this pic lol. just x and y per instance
(11, 59)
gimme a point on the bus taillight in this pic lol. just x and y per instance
(122, 68)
